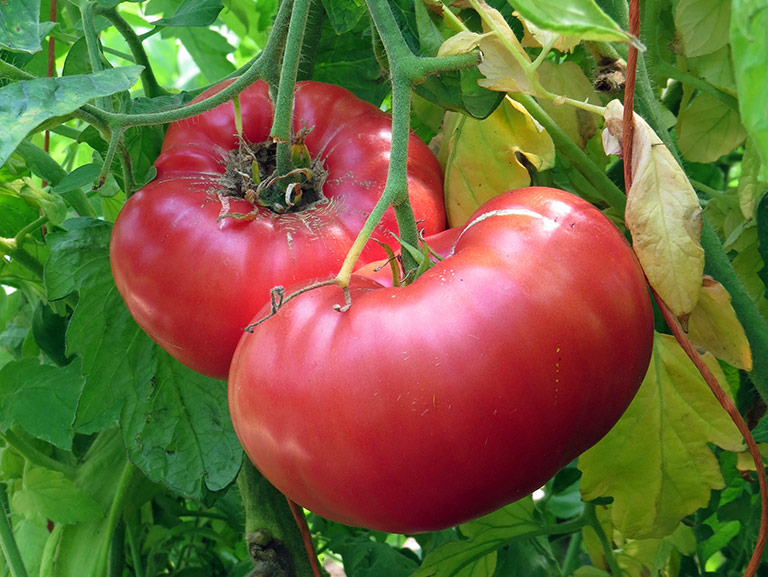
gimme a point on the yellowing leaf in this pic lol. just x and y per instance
(568, 79)
(655, 462)
(663, 214)
(481, 158)
(503, 56)
(460, 43)
(708, 129)
(713, 326)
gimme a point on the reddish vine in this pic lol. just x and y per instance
(672, 321)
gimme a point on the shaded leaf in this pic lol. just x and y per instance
(177, 429)
(484, 536)
(116, 354)
(708, 129)
(749, 44)
(569, 80)
(702, 25)
(209, 50)
(713, 326)
(41, 399)
(47, 494)
(344, 14)
(655, 462)
(473, 177)
(663, 214)
(25, 104)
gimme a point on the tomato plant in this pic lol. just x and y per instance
(195, 260)
(426, 405)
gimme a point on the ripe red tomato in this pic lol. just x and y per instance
(425, 406)
(193, 283)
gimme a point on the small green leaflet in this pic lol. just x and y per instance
(749, 44)
(24, 105)
(19, 26)
(47, 494)
(579, 18)
(194, 13)
(344, 14)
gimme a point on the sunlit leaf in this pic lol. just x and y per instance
(708, 129)
(503, 57)
(713, 326)
(19, 26)
(25, 104)
(702, 25)
(482, 158)
(750, 189)
(749, 43)
(194, 13)
(663, 214)
(536, 37)
(580, 18)
(655, 462)
(47, 494)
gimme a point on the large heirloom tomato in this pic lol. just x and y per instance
(427, 405)
(193, 280)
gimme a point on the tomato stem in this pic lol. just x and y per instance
(8, 543)
(406, 69)
(270, 525)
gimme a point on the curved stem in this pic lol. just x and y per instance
(148, 80)
(7, 541)
(590, 515)
(270, 526)
(312, 36)
(282, 126)
(604, 186)
(129, 475)
(11, 248)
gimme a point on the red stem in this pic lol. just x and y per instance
(672, 321)
(301, 521)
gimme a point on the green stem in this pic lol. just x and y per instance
(88, 14)
(312, 35)
(7, 541)
(41, 163)
(134, 548)
(148, 80)
(590, 515)
(603, 185)
(129, 475)
(21, 236)
(268, 519)
(571, 560)
(282, 126)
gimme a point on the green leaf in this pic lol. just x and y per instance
(580, 18)
(484, 537)
(344, 14)
(749, 44)
(209, 50)
(116, 353)
(194, 13)
(15, 214)
(702, 25)
(19, 26)
(82, 176)
(51, 205)
(48, 330)
(25, 104)
(42, 399)
(655, 462)
(47, 494)
(761, 218)
(708, 129)
(366, 558)
(177, 429)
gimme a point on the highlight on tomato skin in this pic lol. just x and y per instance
(437, 402)
(194, 260)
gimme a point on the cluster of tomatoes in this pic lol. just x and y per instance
(420, 406)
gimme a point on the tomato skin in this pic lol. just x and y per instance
(193, 283)
(425, 406)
